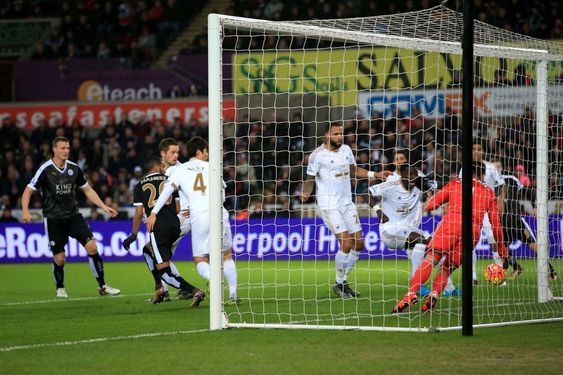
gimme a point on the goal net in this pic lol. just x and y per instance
(394, 85)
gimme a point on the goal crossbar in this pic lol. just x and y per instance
(296, 29)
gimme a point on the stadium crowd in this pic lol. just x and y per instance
(136, 30)
(140, 30)
(536, 18)
(264, 162)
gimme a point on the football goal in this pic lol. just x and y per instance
(393, 84)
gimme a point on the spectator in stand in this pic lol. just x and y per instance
(143, 127)
(520, 172)
(137, 175)
(500, 78)
(123, 196)
(521, 76)
(39, 53)
(147, 43)
(176, 92)
(103, 50)
(9, 134)
(7, 216)
(95, 215)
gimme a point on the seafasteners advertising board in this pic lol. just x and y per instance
(97, 115)
(255, 239)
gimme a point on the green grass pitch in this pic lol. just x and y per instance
(106, 335)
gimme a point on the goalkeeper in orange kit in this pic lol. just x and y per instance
(446, 241)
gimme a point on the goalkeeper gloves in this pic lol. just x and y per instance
(129, 240)
(428, 184)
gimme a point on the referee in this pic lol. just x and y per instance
(58, 178)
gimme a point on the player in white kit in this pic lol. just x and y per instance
(400, 212)
(191, 179)
(330, 166)
(493, 179)
(169, 152)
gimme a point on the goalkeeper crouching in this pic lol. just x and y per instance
(446, 241)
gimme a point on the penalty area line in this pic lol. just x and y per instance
(101, 339)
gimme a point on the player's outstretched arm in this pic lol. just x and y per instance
(360, 172)
(95, 198)
(26, 197)
(441, 197)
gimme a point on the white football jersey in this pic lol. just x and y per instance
(192, 178)
(183, 198)
(332, 176)
(493, 178)
(401, 206)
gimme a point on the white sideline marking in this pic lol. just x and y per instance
(58, 300)
(101, 339)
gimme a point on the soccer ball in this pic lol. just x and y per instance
(494, 274)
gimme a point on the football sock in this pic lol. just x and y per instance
(421, 275)
(97, 267)
(155, 274)
(512, 262)
(496, 258)
(59, 274)
(418, 255)
(230, 271)
(203, 269)
(174, 280)
(174, 269)
(340, 260)
(441, 280)
(411, 270)
(449, 285)
(150, 264)
(351, 263)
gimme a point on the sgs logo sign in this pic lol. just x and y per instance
(93, 91)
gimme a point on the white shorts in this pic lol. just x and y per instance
(395, 235)
(487, 230)
(185, 227)
(342, 219)
(200, 234)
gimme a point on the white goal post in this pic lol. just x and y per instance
(432, 30)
